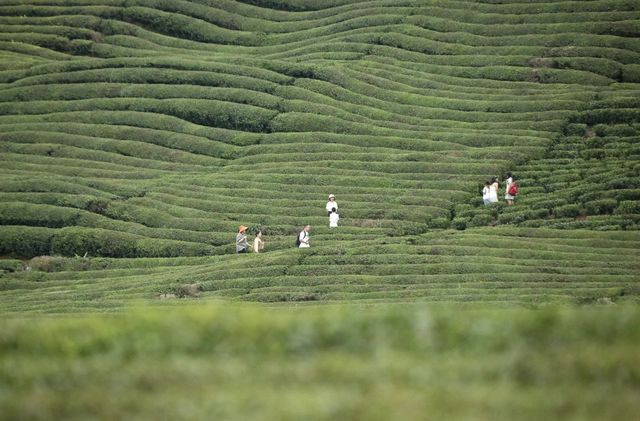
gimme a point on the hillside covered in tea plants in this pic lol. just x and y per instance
(136, 135)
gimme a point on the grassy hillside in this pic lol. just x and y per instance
(152, 129)
(136, 135)
(494, 265)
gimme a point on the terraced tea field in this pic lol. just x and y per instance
(137, 135)
(493, 265)
(153, 129)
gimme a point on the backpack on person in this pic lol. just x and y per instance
(513, 189)
(298, 240)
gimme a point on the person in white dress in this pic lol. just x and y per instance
(258, 243)
(334, 218)
(331, 204)
(493, 190)
(303, 237)
(486, 193)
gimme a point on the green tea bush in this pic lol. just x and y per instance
(74, 91)
(592, 154)
(16, 213)
(460, 223)
(106, 9)
(11, 265)
(143, 74)
(81, 154)
(600, 207)
(631, 73)
(170, 67)
(537, 223)
(557, 39)
(53, 42)
(56, 199)
(607, 68)
(607, 116)
(481, 220)
(73, 21)
(439, 223)
(24, 241)
(27, 49)
(566, 76)
(544, 24)
(126, 149)
(93, 242)
(627, 194)
(570, 211)
(63, 31)
(575, 129)
(512, 217)
(79, 133)
(98, 242)
(623, 183)
(13, 184)
(205, 112)
(169, 248)
(299, 5)
(628, 207)
(373, 90)
(465, 211)
(186, 27)
(548, 204)
(210, 13)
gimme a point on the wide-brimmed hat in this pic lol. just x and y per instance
(331, 196)
(242, 228)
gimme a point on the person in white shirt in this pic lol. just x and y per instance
(258, 243)
(334, 218)
(331, 204)
(486, 191)
(303, 237)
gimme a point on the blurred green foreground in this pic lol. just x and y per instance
(378, 362)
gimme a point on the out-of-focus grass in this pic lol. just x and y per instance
(334, 362)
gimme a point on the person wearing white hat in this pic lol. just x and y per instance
(331, 204)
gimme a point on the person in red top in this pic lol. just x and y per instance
(507, 192)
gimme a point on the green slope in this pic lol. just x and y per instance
(152, 129)
(379, 363)
(136, 135)
(500, 266)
